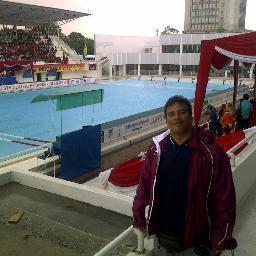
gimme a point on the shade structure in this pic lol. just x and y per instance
(72, 99)
(218, 54)
(15, 65)
(22, 14)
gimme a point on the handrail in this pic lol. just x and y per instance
(20, 153)
(237, 146)
(114, 243)
(71, 52)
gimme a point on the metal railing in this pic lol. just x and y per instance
(24, 152)
(114, 243)
(249, 140)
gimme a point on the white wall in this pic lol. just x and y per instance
(107, 44)
(124, 50)
(72, 74)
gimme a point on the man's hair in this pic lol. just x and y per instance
(177, 99)
(246, 96)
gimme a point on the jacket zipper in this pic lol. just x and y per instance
(207, 210)
(153, 197)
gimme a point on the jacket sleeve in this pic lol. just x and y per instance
(141, 200)
(222, 201)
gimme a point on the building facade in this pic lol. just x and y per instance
(168, 55)
(204, 16)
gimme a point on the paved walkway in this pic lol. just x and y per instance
(53, 225)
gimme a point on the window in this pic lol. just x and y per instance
(189, 69)
(148, 50)
(170, 48)
(191, 48)
(170, 69)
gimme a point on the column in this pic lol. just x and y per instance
(251, 72)
(138, 69)
(236, 70)
(124, 70)
(160, 70)
(181, 51)
(110, 69)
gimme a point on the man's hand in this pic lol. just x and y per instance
(140, 232)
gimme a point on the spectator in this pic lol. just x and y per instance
(26, 45)
(228, 120)
(214, 124)
(221, 111)
(252, 120)
(187, 184)
(246, 109)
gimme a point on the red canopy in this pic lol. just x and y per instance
(15, 64)
(219, 53)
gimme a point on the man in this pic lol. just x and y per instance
(187, 184)
(245, 108)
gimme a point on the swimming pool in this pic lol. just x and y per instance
(122, 98)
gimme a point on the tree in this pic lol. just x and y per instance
(76, 41)
(52, 28)
(90, 45)
(220, 29)
(169, 30)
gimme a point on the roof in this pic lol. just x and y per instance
(19, 14)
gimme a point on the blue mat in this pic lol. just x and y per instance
(80, 151)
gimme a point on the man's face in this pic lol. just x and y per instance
(178, 118)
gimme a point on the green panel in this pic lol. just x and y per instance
(74, 100)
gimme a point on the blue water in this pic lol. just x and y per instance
(122, 98)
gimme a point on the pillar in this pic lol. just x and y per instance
(236, 70)
(160, 70)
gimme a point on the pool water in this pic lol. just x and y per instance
(122, 98)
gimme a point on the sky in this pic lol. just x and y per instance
(128, 18)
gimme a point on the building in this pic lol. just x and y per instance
(169, 55)
(202, 16)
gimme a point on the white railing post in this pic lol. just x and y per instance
(232, 159)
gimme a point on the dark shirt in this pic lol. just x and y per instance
(214, 117)
(173, 187)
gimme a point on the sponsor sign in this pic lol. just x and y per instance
(47, 84)
(132, 126)
(39, 85)
(58, 67)
(92, 66)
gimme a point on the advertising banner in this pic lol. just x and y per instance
(131, 127)
(58, 67)
(39, 85)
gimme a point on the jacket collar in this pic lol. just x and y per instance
(194, 142)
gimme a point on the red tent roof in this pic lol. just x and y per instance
(15, 64)
(219, 53)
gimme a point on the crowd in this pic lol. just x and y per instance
(7, 73)
(30, 44)
(229, 118)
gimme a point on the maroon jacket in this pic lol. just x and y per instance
(211, 207)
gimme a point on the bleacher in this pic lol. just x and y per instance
(30, 44)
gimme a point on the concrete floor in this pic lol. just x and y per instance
(245, 228)
(54, 225)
